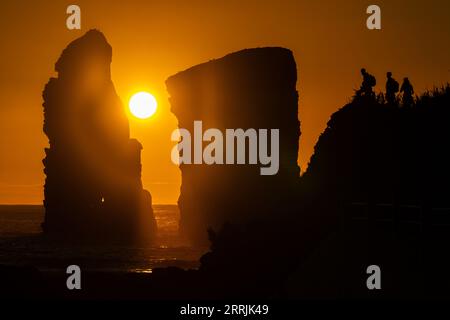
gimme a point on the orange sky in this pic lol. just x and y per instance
(152, 40)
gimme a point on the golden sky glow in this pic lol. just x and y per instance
(152, 40)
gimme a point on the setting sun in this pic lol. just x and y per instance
(142, 105)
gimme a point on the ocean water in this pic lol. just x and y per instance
(21, 243)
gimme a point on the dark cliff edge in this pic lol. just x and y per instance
(380, 174)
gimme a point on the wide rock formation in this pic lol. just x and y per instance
(252, 88)
(93, 187)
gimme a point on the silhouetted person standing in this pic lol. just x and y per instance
(368, 83)
(408, 92)
(392, 87)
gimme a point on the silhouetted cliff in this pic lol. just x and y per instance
(379, 177)
(93, 186)
(372, 151)
(375, 192)
(252, 88)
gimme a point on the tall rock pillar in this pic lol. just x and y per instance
(93, 189)
(253, 88)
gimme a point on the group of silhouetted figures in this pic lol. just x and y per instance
(392, 89)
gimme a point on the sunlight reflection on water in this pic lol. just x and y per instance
(141, 270)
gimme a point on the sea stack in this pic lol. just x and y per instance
(249, 89)
(93, 190)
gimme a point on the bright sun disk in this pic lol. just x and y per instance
(142, 105)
